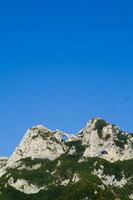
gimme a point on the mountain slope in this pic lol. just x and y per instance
(96, 164)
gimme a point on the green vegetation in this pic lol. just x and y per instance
(122, 137)
(52, 173)
(78, 145)
(99, 125)
(107, 137)
(121, 141)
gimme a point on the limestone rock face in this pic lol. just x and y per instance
(23, 186)
(110, 180)
(101, 139)
(106, 141)
(47, 159)
(3, 162)
(38, 142)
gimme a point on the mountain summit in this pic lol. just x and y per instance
(95, 163)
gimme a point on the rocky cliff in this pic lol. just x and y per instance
(95, 163)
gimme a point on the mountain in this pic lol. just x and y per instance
(94, 164)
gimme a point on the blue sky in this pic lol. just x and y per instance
(62, 63)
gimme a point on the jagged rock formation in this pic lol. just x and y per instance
(39, 142)
(96, 163)
(106, 141)
(3, 162)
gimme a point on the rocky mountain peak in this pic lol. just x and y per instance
(101, 126)
(46, 161)
(39, 142)
(100, 139)
(93, 123)
(107, 141)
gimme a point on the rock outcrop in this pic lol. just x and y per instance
(106, 141)
(46, 158)
(39, 142)
(3, 162)
(101, 139)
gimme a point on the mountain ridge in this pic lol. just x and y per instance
(97, 159)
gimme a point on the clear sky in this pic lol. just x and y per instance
(62, 63)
